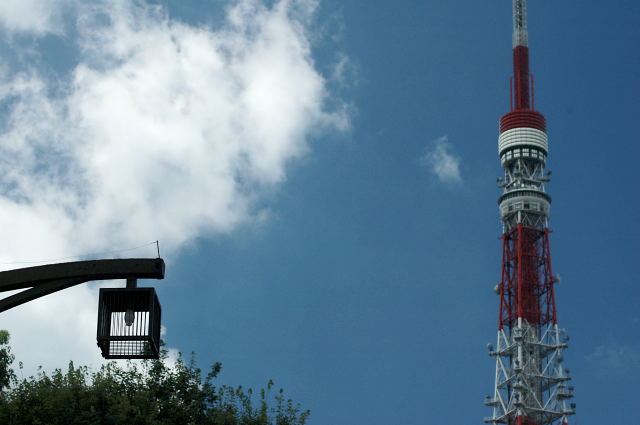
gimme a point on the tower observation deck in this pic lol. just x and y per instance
(531, 383)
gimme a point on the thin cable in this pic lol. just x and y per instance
(84, 255)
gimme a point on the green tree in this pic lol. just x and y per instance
(149, 392)
(6, 359)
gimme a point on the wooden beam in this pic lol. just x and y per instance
(139, 268)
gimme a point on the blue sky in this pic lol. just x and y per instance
(307, 234)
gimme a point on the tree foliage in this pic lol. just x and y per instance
(149, 392)
(6, 358)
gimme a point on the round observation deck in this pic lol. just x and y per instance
(527, 200)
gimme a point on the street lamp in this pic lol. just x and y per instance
(129, 323)
(128, 318)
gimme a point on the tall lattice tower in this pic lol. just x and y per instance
(531, 384)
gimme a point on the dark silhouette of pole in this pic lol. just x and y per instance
(45, 280)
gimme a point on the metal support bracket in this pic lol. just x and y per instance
(45, 280)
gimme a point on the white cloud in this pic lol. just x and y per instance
(442, 161)
(165, 131)
(615, 356)
(344, 71)
(37, 17)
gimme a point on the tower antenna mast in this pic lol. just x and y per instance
(531, 383)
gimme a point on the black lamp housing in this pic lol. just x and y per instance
(129, 323)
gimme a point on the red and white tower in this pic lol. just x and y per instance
(531, 384)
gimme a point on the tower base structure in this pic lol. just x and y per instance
(531, 384)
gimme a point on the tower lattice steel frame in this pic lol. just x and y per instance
(531, 384)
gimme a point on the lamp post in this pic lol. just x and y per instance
(128, 318)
